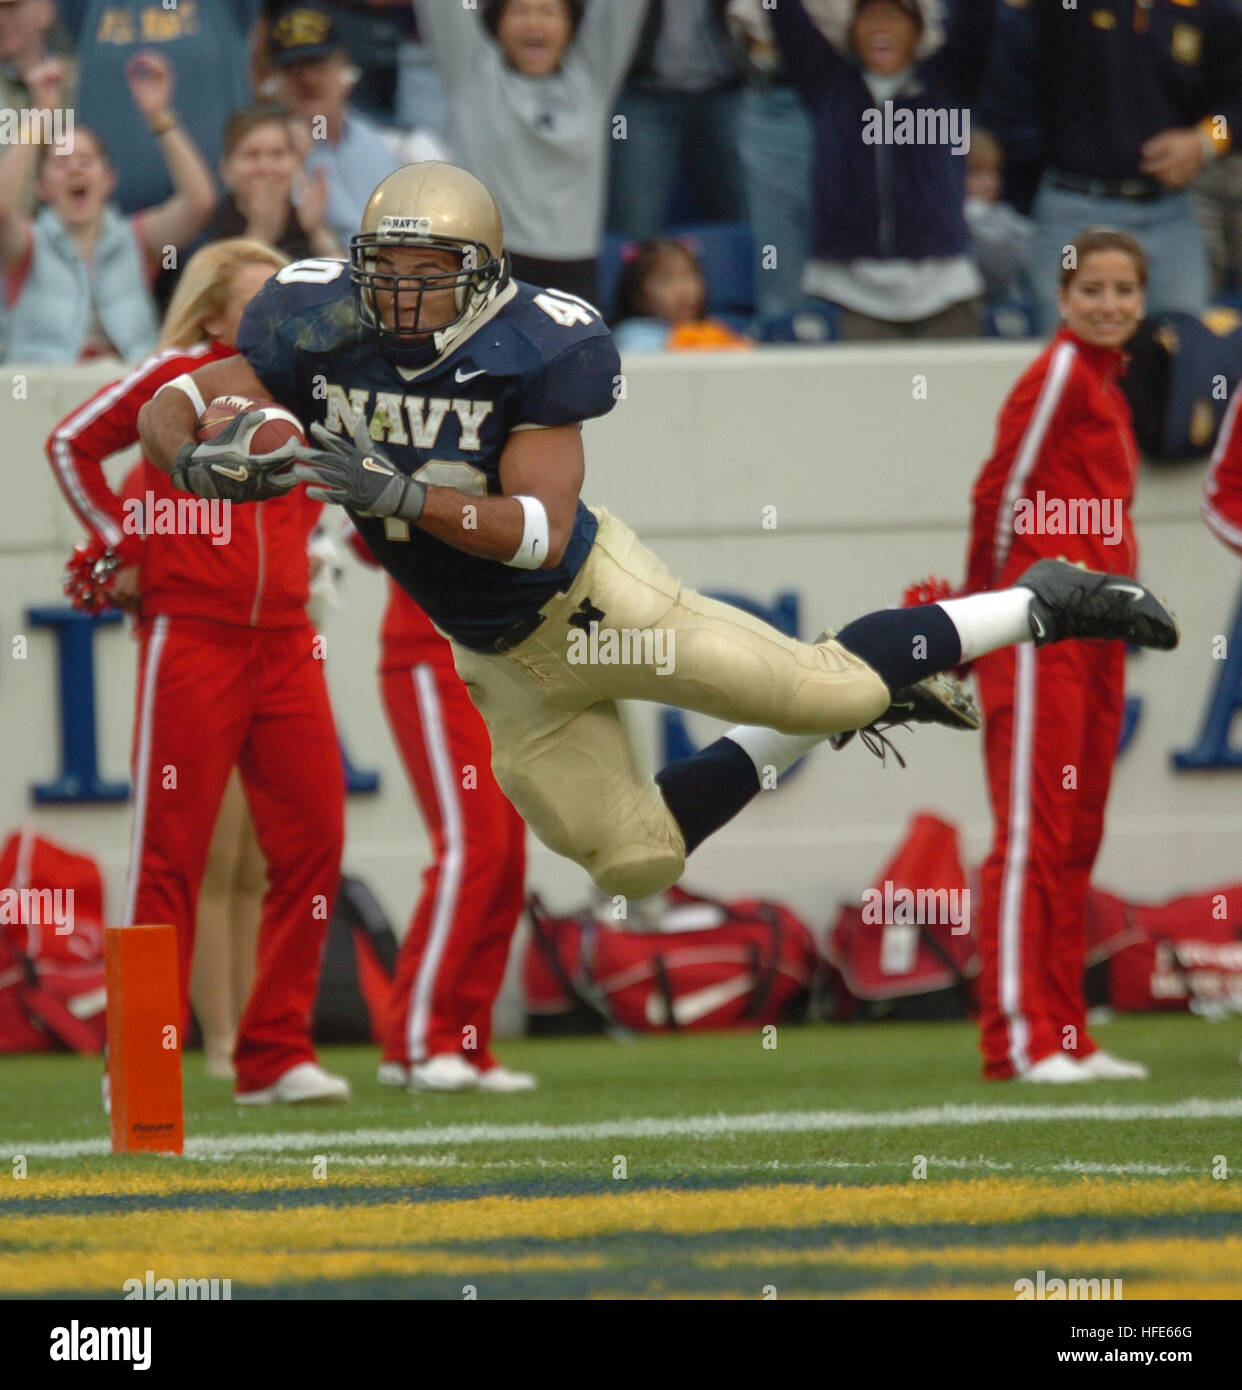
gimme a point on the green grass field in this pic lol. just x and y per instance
(848, 1161)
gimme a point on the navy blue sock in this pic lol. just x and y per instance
(708, 789)
(889, 642)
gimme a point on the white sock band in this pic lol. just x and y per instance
(985, 622)
(768, 748)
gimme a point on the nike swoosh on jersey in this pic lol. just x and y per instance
(460, 377)
(689, 1008)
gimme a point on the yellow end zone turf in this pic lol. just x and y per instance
(332, 1239)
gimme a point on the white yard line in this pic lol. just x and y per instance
(651, 1127)
(775, 1165)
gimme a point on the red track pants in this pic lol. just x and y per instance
(452, 961)
(211, 695)
(1052, 718)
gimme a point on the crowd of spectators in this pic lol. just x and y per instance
(886, 168)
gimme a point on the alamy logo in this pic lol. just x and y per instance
(891, 906)
(627, 646)
(78, 1343)
(26, 126)
(37, 907)
(1042, 515)
(1042, 1287)
(160, 1290)
(926, 125)
(180, 516)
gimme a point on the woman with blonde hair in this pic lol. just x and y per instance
(228, 677)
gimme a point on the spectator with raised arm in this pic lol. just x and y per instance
(530, 86)
(889, 242)
(79, 275)
(28, 38)
(207, 43)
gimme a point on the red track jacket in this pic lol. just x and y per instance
(259, 577)
(1064, 438)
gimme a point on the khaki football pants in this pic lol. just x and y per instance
(559, 750)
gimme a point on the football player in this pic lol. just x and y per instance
(447, 401)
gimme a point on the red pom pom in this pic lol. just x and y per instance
(88, 573)
(929, 590)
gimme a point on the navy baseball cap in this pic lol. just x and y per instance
(303, 34)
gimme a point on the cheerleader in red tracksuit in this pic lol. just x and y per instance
(1053, 714)
(229, 674)
(452, 962)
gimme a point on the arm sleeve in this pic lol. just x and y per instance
(809, 58)
(961, 62)
(104, 425)
(454, 34)
(1030, 428)
(608, 37)
(261, 342)
(579, 383)
(1222, 489)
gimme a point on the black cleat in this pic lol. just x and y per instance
(937, 699)
(1073, 601)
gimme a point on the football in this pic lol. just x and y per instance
(277, 427)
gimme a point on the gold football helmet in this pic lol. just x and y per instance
(432, 205)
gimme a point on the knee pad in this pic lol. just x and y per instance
(637, 871)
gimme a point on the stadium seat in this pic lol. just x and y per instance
(811, 325)
(727, 253)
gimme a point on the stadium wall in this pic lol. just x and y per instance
(811, 483)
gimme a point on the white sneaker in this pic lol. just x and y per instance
(446, 1072)
(1056, 1068)
(1103, 1066)
(305, 1082)
(393, 1074)
(501, 1079)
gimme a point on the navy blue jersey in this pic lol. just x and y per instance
(536, 358)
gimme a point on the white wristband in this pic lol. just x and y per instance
(185, 382)
(533, 552)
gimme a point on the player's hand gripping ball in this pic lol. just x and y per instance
(353, 473)
(244, 452)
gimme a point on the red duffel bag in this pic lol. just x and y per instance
(1181, 955)
(51, 948)
(711, 964)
